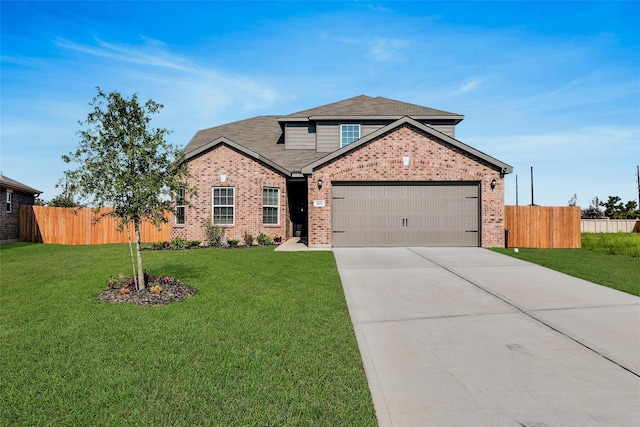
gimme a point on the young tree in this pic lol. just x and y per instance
(66, 199)
(63, 201)
(593, 211)
(125, 164)
(612, 207)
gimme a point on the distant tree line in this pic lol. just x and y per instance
(612, 208)
(60, 201)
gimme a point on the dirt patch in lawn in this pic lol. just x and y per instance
(169, 293)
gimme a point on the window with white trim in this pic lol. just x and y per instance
(348, 134)
(223, 204)
(180, 207)
(271, 206)
(9, 201)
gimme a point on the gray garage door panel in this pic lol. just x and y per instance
(406, 215)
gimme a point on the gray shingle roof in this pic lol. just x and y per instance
(364, 106)
(15, 185)
(263, 135)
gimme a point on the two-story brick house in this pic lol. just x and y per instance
(360, 172)
(13, 194)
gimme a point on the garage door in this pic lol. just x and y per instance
(442, 214)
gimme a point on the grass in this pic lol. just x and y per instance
(608, 260)
(626, 244)
(266, 341)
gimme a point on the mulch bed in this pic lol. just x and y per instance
(170, 293)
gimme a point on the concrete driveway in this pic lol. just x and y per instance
(469, 337)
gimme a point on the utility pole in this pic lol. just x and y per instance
(638, 174)
(532, 204)
(516, 190)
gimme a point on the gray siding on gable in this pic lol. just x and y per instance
(329, 134)
(449, 130)
(368, 128)
(300, 136)
(328, 137)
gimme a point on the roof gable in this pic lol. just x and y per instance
(225, 141)
(18, 186)
(503, 167)
(260, 138)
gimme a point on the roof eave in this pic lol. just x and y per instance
(504, 168)
(225, 141)
(16, 186)
(455, 118)
(293, 119)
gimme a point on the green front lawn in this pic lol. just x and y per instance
(266, 341)
(609, 260)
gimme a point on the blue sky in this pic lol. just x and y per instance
(553, 85)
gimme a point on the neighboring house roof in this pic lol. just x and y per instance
(370, 108)
(262, 137)
(12, 184)
(504, 168)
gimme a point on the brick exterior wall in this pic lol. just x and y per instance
(430, 160)
(9, 221)
(248, 177)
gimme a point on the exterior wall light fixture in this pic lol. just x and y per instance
(493, 184)
(319, 184)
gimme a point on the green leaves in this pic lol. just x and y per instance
(123, 162)
(126, 164)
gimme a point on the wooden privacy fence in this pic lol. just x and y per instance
(543, 226)
(44, 224)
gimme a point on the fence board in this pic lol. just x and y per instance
(68, 226)
(610, 225)
(543, 226)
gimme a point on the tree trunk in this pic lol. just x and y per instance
(140, 285)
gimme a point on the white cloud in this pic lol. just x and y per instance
(202, 93)
(42, 122)
(470, 84)
(384, 49)
(153, 54)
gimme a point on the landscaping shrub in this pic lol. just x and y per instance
(213, 233)
(264, 240)
(178, 243)
(248, 238)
